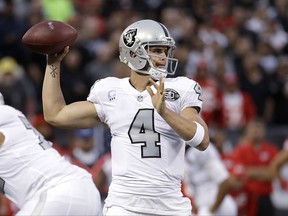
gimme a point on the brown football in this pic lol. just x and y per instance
(49, 37)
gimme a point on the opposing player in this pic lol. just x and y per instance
(150, 121)
(35, 177)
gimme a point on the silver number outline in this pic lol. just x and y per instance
(198, 91)
(42, 141)
(142, 130)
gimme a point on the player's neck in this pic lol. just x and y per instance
(139, 81)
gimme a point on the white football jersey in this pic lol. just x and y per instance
(28, 164)
(204, 171)
(147, 155)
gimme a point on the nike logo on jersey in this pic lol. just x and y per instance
(171, 95)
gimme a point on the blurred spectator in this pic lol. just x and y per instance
(255, 82)
(84, 149)
(258, 20)
(238, 107)
(281, 7)
(182, 54)
(256, 152)
(120, 70)
(16, 86)
(103, 64)
(11, 32)
(76, 84)
(279, 93)
(171, 18)
(34, 13)
(35, 71)
(223, 64)
(211, 95)
(92, 30)
(240, 16)
(267, 60)
(221, 17)
(210, 35)
(275, 36)
(198, 53)
(242, 46)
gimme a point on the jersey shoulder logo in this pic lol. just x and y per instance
(129, 37)
(171, 95)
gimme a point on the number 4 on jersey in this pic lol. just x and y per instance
(142, 130)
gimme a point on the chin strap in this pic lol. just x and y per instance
(157, 73)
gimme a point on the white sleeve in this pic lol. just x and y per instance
(215, 166)
(95, 99)
(217, 171)
(193, 96)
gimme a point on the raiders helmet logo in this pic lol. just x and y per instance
(129, 37)
(171, 95)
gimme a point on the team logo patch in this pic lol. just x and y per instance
(129, 37)
(171, 95)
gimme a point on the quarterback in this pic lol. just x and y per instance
(151, 119)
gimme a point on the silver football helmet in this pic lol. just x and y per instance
(137, 38)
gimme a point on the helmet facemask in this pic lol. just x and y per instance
(156, 72)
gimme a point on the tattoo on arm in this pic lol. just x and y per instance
(53, 71)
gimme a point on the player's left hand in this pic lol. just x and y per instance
(158, 98)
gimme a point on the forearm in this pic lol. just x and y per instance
(224, 188)
(261, 173)
(279, 160)
(186, 127)
(181, 126)
(52, 97)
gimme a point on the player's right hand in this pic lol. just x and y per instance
(158, 98)
(57, 57)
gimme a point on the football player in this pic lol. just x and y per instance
(208, 182)
(35, 177)
(151, 119)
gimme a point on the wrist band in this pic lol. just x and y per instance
(198, 136)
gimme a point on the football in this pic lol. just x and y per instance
(49, 37)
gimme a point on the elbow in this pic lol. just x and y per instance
(50, 120)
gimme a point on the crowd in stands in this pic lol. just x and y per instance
(237, 50)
